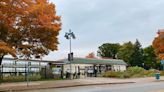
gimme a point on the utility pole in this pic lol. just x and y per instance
(69, 36)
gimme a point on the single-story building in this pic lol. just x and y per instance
(12, 66)
(88, 65)
(79, 66)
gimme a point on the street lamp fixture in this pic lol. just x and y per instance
(69, 36)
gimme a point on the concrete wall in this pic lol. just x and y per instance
(118, 67)
(75, 67)
(82, 67)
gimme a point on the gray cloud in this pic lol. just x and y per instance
(97, 21)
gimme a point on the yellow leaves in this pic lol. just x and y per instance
(31, 20)
(6, 49)
(45, 14)
(161, 56)
(91, 55)
(26, 52)
(158, 44)
(25, 46)
(58, 18)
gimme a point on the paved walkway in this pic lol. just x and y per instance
(159, 91)
(162, 90)
(18, 86)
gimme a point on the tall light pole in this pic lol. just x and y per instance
(70, 35)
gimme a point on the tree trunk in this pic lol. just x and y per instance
(1, 58)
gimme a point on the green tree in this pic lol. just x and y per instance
(137, 55)
(108, 50)
(150, 58)
(126, 51)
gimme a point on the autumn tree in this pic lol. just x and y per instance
(158, 44)
(28, 28)
(10, 11)
(108, 50)
(91, 55)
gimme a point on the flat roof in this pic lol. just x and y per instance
(94, 61)
(32, 60)
(79, 61)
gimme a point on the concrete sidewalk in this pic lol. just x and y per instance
(19, 86)
(159, 90)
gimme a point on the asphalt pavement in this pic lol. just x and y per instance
(86, 85)
(135, 87)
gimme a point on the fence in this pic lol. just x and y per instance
(9, 70)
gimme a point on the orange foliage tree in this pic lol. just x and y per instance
(91, 55)
(158, 44)
(28, 28)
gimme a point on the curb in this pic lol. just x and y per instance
(78, 85)
(158, 81)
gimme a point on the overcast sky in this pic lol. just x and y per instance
(95, 22)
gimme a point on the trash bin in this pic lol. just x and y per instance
(157, 75)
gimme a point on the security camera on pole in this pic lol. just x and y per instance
(70, 35)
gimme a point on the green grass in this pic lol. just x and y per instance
(132, 72)
(21, 78)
